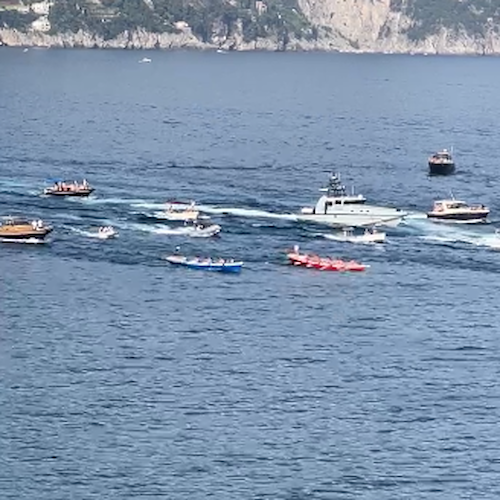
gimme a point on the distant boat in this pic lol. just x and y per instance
(441, 163)
(145, 60)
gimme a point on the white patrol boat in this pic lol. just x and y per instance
(336, 208)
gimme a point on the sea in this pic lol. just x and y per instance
(123, 377)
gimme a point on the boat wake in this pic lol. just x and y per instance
(91, 200)
(333, 237)
(245, 212)
(173, 231)
(157, 210)
(29, 241)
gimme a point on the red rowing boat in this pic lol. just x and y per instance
(323, 263)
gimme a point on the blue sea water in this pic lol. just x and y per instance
(124, 378)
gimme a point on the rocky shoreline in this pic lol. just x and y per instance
(444, 43)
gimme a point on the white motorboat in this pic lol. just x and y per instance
(348, 235)
(201, 230)
(336, 208)
(457, 211)
(107, 232)
(177, 211)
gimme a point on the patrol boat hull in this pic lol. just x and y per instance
(338, 209)
(367, 216)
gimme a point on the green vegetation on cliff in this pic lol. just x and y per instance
(228, 22)
(209, 20)
(475, 17)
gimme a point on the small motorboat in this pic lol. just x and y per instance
(441, 163)
(347, 235)
(323, 264)
(178, 211)
(107, 232)
(221, 265)
(74, 188)
(457, 211)
(203, 230)
(145, 60)
(20, 229)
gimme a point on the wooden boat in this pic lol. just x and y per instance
(19, 229)
(220, 265)
(323, 264)
(62, 188)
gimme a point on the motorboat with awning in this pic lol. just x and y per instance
(337, 208)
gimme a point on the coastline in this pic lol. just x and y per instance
(443, 43)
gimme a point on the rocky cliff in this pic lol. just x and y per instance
(394, 26)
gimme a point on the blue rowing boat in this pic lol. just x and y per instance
(220, 265)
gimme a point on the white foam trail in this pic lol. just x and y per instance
(171, 231)
(479, 240)
(29, 241)
(245, 212)
(415, 216)
(147, 206)
(91, 200)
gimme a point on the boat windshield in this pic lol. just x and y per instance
(443, 155)
(354, 201)
(18, 221)
(457, 204)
